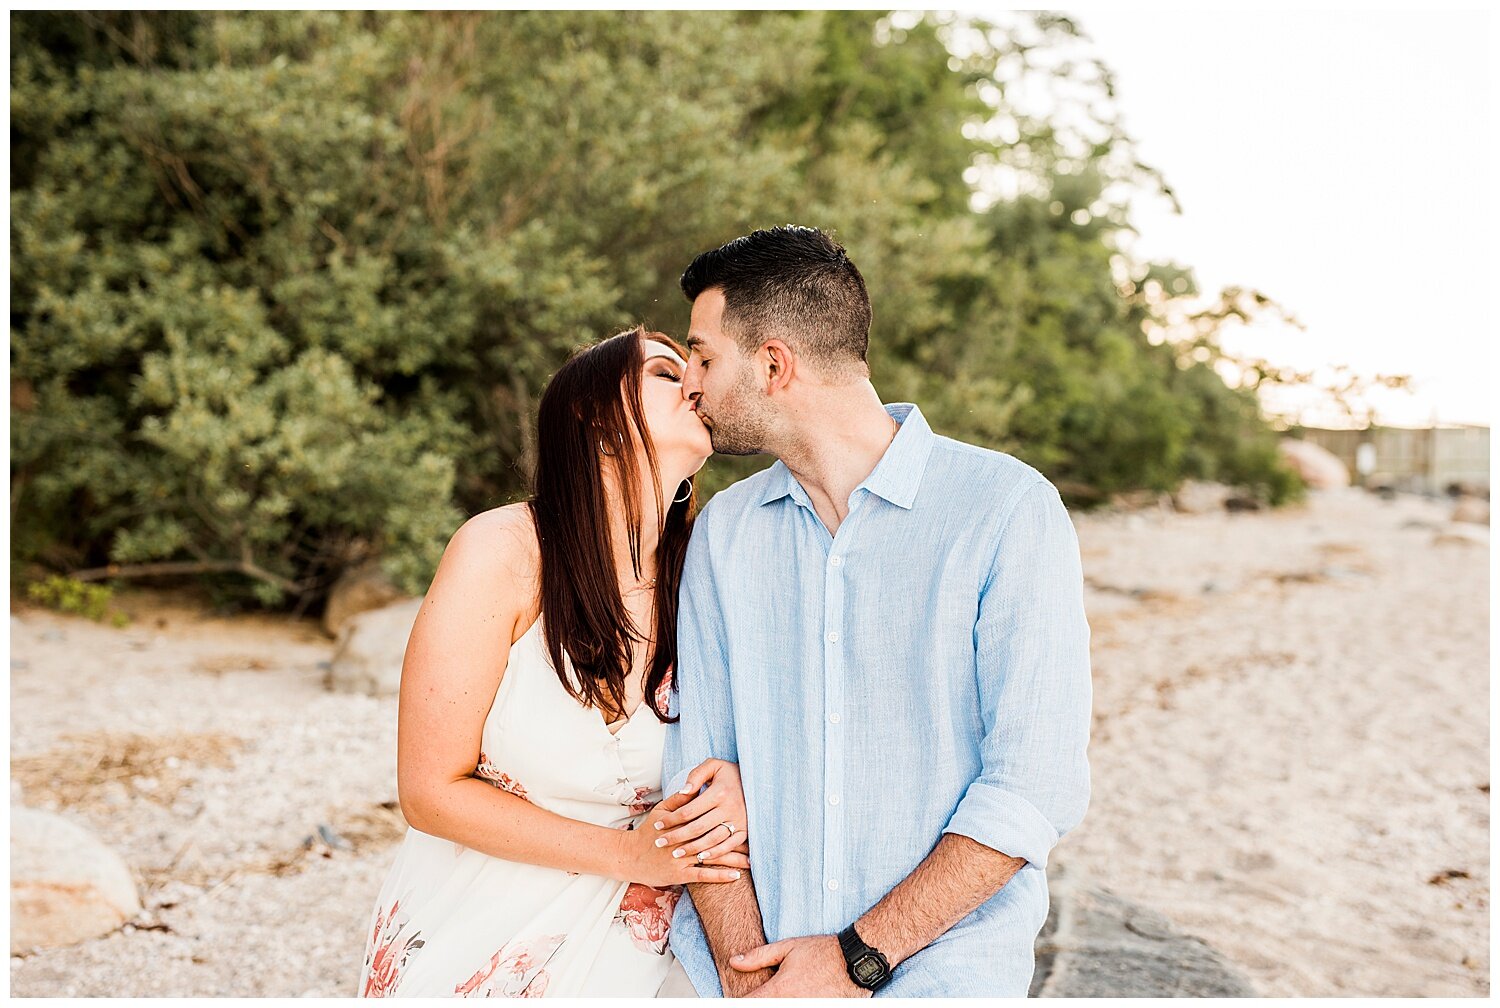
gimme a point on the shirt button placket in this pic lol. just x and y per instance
(833, 749)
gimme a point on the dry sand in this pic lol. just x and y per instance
(1290, 760)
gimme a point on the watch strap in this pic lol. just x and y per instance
(854, 948)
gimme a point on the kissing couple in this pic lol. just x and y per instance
(817, 739)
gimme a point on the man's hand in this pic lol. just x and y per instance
(805, 967)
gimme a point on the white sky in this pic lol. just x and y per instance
(1337, 161)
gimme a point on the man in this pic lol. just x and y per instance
(885, 631)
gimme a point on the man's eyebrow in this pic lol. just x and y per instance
(694, 343)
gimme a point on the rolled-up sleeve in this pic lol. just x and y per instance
(705, 725)
(1032, 646)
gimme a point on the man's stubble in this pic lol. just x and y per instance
(740, 422)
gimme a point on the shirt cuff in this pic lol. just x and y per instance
(1005, 822)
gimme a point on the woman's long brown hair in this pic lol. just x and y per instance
(593, 403)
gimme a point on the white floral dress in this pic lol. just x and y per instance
(453, 921)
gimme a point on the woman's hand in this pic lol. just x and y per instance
(643, 860)
(709, 825)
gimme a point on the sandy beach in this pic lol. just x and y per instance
(1290, 760)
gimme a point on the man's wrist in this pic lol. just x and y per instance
(738, 984)
(882, 939)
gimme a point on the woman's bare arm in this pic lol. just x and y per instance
(485, 586)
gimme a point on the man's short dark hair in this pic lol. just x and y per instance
(793, 283)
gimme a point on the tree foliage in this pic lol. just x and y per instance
(286, 286)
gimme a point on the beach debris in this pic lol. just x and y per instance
(1462, 534)
(333, 838)
(1319, 468)
(359, 589)
(219, 664)
(370, 650)
(66, 886)
(1446, 875)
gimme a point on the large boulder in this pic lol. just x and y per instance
(1199, 497)
(370, 649)
(359, 589)
(1319, 468)
(66, 886)
(1095, 944)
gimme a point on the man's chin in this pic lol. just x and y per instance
(729, 448)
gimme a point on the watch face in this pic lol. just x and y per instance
(867, 969)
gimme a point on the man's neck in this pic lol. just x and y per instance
(834, 444)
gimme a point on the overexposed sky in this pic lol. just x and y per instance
(1337, 161)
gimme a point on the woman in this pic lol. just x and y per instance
(534, 694)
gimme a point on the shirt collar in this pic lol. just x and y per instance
(895, 477)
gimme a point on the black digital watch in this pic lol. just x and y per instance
(868, 967)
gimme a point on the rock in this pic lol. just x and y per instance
(66, 886)
(1198, 497)
(1462, 534)
(1471, 509)
(371, 646)
(359, 589)
(1243, 503)
(1095, 944)
(1319, 468)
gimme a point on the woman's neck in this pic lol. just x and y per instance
(619, 535)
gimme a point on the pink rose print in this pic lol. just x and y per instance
(646, 913)
(663, 695)
(641, 802)
(514, 971)
(502, 780)
(384, 960)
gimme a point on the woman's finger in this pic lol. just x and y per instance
(701, 774)
(713, 874)
(671, 803)
(732, 842)
(698, 828)
(692, 810)
(710, 837)
(734, 859)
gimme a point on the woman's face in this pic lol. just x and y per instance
(681, 440)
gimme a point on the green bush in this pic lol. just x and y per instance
(79, 598)
(286, 286)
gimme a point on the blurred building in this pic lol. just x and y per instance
(1419, 459)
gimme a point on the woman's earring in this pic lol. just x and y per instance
(679, 500)
(603, 450)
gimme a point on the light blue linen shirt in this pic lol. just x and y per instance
(925, 671)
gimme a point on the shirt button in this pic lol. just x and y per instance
(834, 719)
(836, 562)
(833, 883)
(833, 799)
(833, 638)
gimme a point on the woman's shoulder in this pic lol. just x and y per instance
(498, 543)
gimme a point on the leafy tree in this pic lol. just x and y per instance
(286, 286)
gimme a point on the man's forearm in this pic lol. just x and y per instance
(731, 919)
(946, 887)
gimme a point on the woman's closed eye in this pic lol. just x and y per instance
(670, 375)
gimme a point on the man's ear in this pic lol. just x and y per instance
(779, 363)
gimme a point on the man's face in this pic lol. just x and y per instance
(721, 381)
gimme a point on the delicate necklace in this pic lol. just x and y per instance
(643, 586)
